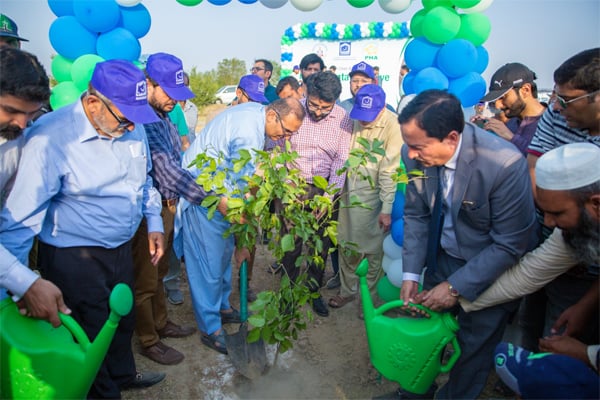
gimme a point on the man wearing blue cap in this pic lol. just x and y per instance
(251, 88)
(84, 193)
(9, 33)
(367, 226)
(360, 75)
(165, 79)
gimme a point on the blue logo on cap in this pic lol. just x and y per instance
(179, 77)
(366, 102)
(140, 91)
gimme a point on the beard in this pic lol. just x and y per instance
(515, 109)
(10, 132)
(584, 239)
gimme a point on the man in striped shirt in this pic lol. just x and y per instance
(322, 143)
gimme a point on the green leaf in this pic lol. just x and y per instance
(287, 243)
(320, 182)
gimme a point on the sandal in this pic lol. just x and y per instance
(339, 301)
(215, 341)
(231, 317)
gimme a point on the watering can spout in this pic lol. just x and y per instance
(361, 271)
(42, 362)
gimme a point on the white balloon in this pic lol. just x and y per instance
(273, 3)
(306, 5)
(128, 3)
(391, 249)
(385, 263)
(394, 273)
(394, 6)
(483, 5)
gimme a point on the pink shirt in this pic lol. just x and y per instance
(323, 146)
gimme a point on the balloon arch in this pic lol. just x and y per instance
(445, 52)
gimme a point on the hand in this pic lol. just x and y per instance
(409, 294)
(222, 206)
(565, 345)
(499, 128)
(43, 300)
(439, 298)
(573, 320)
(239, 255)
(156, 245)
(385, 221)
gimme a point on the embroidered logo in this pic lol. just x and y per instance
(261, 87)
(179, 77)
(499, 83)
(366, 102)
(140, 91)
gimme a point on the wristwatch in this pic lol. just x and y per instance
(453, 292)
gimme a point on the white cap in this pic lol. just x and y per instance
(568, 167)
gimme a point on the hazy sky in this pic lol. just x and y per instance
(538, 33)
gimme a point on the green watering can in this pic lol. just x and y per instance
(39, 361)
(407, 349)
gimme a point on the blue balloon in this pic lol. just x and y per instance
(398, 206)
(248, 1)
(483, 58)
(430, 78)
(136, 20)
(98, 16)
(398, 231)
(457, 57)
(70, 39)
(61, 8)
(118, 44)
(420, 53)
(219, 2)
(469, 88)
(407, 82)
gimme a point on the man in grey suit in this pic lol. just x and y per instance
(487, 222)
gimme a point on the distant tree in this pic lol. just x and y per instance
(276, 75)
(230, 70)
(206, 84)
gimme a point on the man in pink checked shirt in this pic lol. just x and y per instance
(322, 143)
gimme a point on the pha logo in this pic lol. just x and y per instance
(179, 77)
(366, 102)
(141, 91)
(261, 87)
(345, 48)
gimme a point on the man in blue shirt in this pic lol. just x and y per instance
(83, 187)
(164, 74)
(207, 253)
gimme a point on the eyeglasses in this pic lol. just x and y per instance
(286, 132)
(315, 107)
(256, 69)
(565, 102)
(123, 123)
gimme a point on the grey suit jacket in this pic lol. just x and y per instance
(492, 210)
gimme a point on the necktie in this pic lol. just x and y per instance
(435, 224)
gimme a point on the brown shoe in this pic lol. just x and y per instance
(175, 331)
(162, 354)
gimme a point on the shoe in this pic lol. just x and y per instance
(162, 354)
(173, 330)
(319, 307)
(250, 295)
(144, 380)
(232, 317)
(174, 296)
(274, 268)
(334, 282)
(215, 341)
(339, 301)
(400, 394)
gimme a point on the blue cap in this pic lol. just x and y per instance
(8, 28)
(124, 85)
(363, 68)
(368, 103)
(254, 86)
(167, 70)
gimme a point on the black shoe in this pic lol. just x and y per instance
(400, 394)
(320, 308)
(143, 380)
(232, 317)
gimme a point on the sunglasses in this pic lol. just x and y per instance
(123, 122)
(565, 102)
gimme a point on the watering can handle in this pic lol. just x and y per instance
(75, 329)
(453, 358)
(400, 303)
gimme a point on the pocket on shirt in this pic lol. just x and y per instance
(476, 215)
(136, 173)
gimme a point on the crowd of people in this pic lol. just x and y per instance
(114, 199)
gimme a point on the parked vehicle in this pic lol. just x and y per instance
(225, 95)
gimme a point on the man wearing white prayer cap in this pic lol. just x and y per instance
(568, 191)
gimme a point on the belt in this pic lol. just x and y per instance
(170, 202)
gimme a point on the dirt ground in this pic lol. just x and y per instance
(330, 360)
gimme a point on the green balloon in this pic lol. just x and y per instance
(189, 3)
(82, 70)
(386, 291)
(429, 4)
(61, 68)
(466, 3)
(63, 94)
(441, 24)
(475, 28)
(360, 3)
(416, 23)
